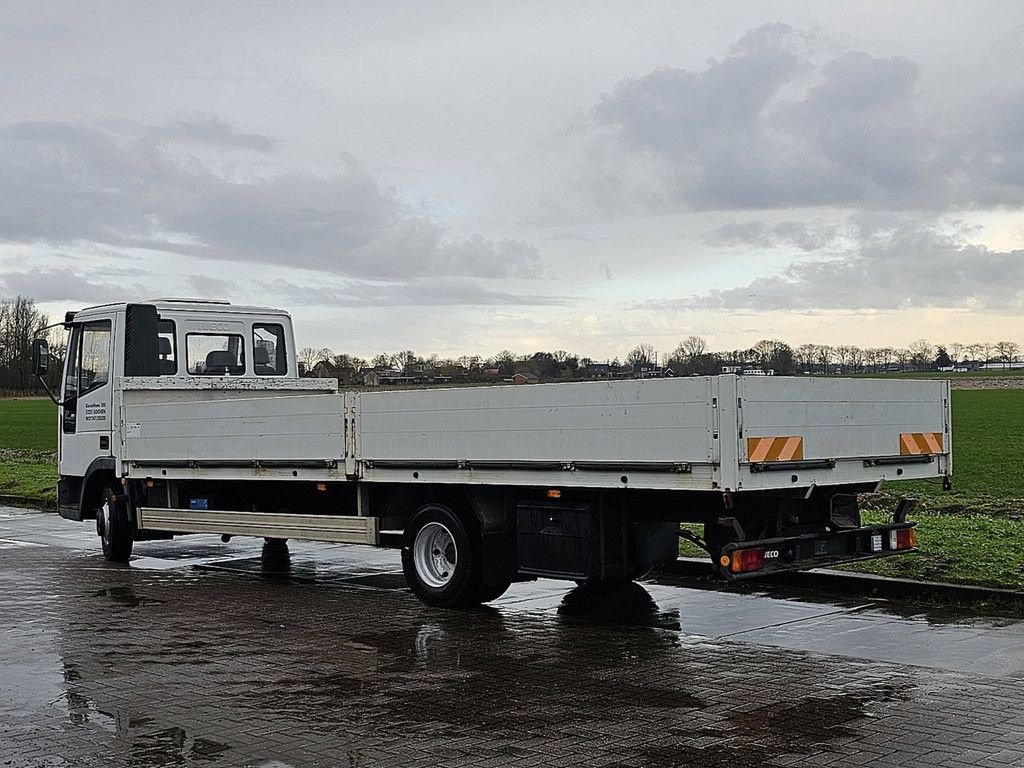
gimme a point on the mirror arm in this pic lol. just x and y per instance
(49, 393)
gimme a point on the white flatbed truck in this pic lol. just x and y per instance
(185, 416)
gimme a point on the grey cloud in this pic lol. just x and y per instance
(771, 125)
(211, 130)
(70, 183)
(423, 292)
(910, 264)
(35, 33)
(211, 287)
(65, 284)
(805, 236)
(687, 114)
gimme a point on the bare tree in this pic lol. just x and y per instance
(641, 353)
(826, 355)
(694, 346)
(921, 354)
(1007, 351)
(856, 359)
(956, 350)
(843, 353)
(20, 322)
(505, 361)
(807, 357)
(403, 359)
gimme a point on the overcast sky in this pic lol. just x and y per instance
(465, 177)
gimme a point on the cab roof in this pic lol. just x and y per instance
(189, 305)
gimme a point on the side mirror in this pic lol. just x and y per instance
(40, 357)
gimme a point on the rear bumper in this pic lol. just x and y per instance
(797, 553)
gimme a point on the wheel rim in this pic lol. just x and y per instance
(435, 555)
(105, 513)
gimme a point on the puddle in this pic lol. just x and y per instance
(125, 596)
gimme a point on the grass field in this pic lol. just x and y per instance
(988, 450)
(972, 535)
(28, 425)
(28, 445)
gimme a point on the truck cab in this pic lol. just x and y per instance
(172, 338)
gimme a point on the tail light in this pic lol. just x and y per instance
(746, 560)
(904, 538)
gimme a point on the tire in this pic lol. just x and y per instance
(441, 559)
(114, 525)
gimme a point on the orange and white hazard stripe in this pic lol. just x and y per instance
(775, 448)
(920, 443)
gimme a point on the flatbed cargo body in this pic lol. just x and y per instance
(697, 433)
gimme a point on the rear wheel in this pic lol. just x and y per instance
(114, 525)
(441, 560)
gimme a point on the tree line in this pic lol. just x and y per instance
(693, 356)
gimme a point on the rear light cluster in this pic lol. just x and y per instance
(745, 560)
(748, 560)
(904, 538)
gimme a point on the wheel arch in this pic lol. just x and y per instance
(101, 471)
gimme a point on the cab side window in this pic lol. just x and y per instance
(270, 356)
(215, 354)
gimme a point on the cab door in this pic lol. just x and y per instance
(85, 416)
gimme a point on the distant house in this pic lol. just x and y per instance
(490, 373)
(385, 377)
(1001, 366)
(325, 369)
(598, 371)
(651, 371)
(525, 377)
(748, 369)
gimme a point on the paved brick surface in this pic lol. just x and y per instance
(114, 666)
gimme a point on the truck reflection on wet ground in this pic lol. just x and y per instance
(242, 663)
(623, 603)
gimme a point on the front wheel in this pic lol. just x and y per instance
(114, 526)
(441, 560)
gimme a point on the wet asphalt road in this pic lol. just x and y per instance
(203, 654)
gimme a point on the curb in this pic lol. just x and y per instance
(27, 502)
(848, 583)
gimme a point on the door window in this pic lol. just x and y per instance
(88, 367)
(94, 363)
